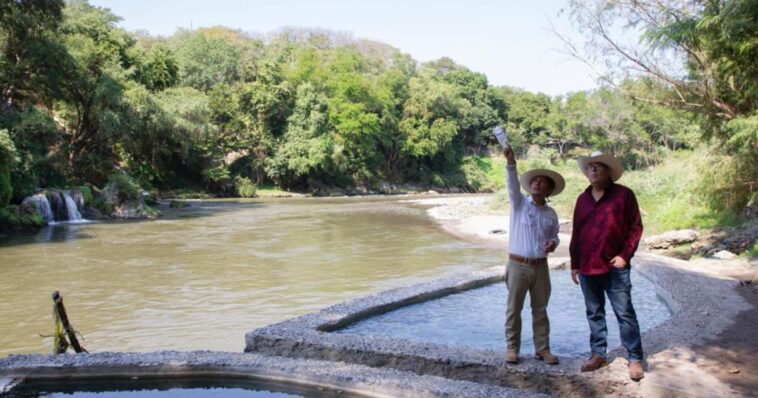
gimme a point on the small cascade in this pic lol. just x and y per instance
(71, 208)
(55, 206)
(43, 206)
(58, 204)
(78, 197)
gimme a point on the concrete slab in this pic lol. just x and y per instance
(703, 303)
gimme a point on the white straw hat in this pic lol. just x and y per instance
(526, 180)
(598, 157)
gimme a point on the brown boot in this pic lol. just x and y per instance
(635, 370)
(546, 356)
(511, 357)
(594, 363)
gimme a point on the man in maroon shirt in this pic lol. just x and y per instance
(606, 231)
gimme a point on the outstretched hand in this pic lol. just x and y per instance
(509, 156)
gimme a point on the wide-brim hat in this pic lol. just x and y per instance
(598, 157)
(526, 180)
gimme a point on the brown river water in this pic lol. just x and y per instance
(201, 277)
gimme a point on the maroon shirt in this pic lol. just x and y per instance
(610, 227)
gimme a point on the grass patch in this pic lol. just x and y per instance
(272, 191)
(186, 193)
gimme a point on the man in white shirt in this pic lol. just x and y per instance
(533, 234)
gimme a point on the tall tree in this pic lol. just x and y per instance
(29, 51)
(702, 52)
(93, 87)
(206, 61)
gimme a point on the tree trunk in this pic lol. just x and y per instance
(61, 311)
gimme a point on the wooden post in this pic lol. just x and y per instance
(61, 311)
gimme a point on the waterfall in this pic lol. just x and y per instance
(43, 206)
(58, 203)
(73, 211)
(78, 197)
(54, 206)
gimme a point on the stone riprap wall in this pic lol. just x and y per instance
(702, 305)
(317, 376)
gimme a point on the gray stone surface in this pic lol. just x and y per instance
(349, 378)
(702, 305)
(304, 352)
(724, 255)
(670, 238)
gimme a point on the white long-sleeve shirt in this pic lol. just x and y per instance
(531, 224)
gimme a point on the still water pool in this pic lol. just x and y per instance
(169, 388)
(476, 318)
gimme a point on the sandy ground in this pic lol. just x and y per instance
(730, 357)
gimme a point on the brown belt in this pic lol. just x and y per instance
(528, 261)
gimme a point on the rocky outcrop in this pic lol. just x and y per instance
(123, 205)
(734, 239)
(670, 239)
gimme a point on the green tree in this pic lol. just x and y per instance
(160, 70)
(37, 140)
(715, 44)
(481, 107)
(206, 61)
(306, 146)
(7, 160)
(29, 52)
(92, 103)
(528, 115)
(251, 114)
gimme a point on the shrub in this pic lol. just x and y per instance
(7, 159)
(726, 182)
(18, 218)
(244, 188)
(126, 187)
(150, 199)
(101, 205)
(86, 193)
(217, 179)
(477, 171)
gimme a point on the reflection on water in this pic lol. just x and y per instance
(200, 278)
(168, 388)
(476, 318)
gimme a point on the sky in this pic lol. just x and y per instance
(508, 40)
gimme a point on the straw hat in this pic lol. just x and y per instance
(598, 157)
(527, 178)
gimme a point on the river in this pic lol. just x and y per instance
(201, 277)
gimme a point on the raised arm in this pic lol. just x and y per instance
(511, 178)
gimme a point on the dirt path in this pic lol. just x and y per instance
(732, 356)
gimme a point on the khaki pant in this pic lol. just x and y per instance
(535, 279)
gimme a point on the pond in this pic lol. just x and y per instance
(476, 318)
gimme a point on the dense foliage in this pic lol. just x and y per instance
(693, 55)
(220, 110)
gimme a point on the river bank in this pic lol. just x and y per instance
(724, 356)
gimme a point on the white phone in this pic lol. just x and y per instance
(502, 138)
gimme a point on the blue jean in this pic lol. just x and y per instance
(618, 286)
